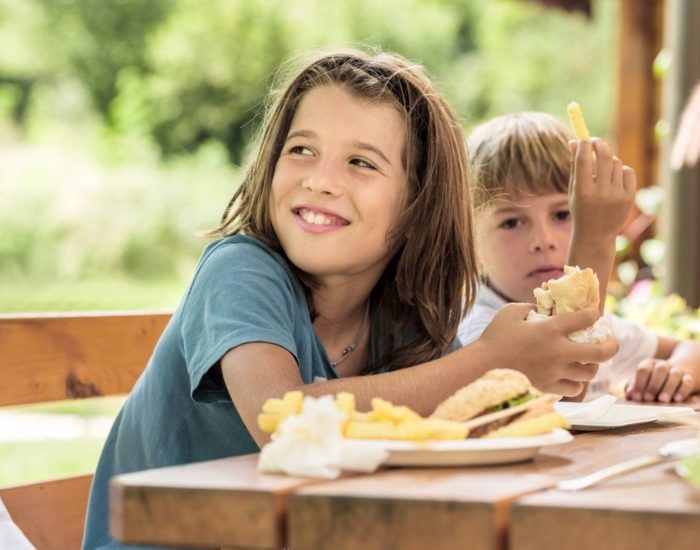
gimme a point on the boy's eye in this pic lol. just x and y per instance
(510, 223)
(563, 215)
(362, 163)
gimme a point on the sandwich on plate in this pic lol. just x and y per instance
(502, 403)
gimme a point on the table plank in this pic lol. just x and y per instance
(212, 504)
(438, 508)
(648, 509)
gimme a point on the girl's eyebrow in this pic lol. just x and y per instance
(301, 133)
(369, 147)
(357, 144)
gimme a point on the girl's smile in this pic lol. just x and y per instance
(318, 220)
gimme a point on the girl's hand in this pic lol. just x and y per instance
(601, 190)
(658, 380)
(542, 350)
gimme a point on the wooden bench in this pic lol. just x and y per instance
(52, 357)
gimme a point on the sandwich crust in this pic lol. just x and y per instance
(493, 388)
(576, 289)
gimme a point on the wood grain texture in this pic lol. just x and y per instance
(55, 357)
(50, 514)
(645, 510)
(439, 508)
(212, 504)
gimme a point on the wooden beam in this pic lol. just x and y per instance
(682, 222)
(53, 357)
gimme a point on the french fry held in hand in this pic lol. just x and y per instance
(577, 121)
(384, 421)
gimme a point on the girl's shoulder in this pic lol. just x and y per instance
(236, 251)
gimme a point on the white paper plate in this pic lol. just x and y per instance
(468, 452)
(617, 416)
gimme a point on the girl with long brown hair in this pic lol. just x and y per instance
(343, 263)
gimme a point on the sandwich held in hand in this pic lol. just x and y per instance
(576, 289)
(502, 403)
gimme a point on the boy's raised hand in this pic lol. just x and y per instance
(601, 190)
(541, 349)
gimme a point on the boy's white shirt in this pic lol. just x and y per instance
(636, 342)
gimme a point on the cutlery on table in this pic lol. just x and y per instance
(671, 451)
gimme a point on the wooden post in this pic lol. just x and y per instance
(682, 217)
(638, 97)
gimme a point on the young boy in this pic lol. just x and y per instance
(536, 211)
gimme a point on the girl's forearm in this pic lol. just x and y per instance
(421, 387)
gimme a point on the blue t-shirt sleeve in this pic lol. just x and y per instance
(240, 294)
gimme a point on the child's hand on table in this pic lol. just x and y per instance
(658, 380)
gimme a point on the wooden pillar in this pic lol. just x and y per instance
(638, 101)
(682, 216)
(638, 94)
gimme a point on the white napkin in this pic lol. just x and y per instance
(10, 535)
(598, 332)
(588, 411)
(311, 444)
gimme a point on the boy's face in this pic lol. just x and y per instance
(522, 241)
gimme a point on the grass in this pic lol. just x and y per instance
(29, 461)
(113, 293)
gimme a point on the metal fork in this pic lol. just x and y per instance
(670, 451)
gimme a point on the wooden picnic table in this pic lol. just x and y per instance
(226, 503)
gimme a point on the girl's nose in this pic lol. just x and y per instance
(323, 179)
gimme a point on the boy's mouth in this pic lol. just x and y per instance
(545, 273)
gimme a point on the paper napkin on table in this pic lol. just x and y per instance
(598, 332)
(311, 444)
(587, 411)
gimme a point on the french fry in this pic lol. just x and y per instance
(384, 421)
(577, 121)
(371, 430)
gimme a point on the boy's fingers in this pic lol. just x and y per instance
(685, 388)
(640, 380)
(656, 380)
(617, 178)
(629, 179)
(583, 164)
(603, 168)
(671, 385)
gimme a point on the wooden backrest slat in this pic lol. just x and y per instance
(54, 357)
(50, 514)
(50, 357)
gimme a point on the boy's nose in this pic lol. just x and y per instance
(542, 240)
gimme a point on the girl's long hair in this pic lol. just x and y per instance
(432, 277)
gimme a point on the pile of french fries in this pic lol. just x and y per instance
(384, 421)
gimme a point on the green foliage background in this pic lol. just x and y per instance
(123, 123)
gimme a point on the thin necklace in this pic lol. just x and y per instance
(347, 350)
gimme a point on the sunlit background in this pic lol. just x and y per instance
(124, 125)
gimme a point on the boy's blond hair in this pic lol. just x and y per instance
(525, 152)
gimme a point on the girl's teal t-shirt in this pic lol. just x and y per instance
(179, 410)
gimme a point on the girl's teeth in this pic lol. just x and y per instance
(315, 218)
